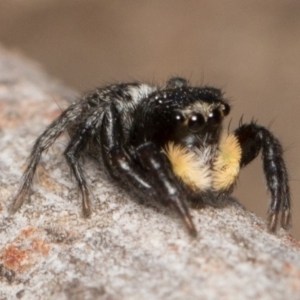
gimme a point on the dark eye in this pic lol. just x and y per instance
(214, 117)
(179, 118)
(196, 122)
(225, 109)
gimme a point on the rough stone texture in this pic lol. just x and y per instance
(127, 250)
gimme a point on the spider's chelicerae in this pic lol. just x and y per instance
(165, 144)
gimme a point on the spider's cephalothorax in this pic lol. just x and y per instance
(165, 144)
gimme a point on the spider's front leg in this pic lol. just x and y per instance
(253, 138)
(146, 170)
(158, 167)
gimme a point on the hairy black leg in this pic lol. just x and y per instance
(86, 131)
(147, 173)
(117, 160)
(159, 168)
(45, 140)
(72, 154)
(252, 139)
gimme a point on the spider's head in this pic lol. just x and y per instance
(194, 114)
(200, 120)
(179, 113)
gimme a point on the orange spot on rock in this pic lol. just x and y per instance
(40, 247)
(13, 257)
(27, 232)
(25, 252)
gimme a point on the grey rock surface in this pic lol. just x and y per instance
(126, 250)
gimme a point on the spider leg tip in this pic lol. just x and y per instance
(12, 210)
(86, 213)
(286, 219)
(190, 226)
(272, 222)
(17, 202)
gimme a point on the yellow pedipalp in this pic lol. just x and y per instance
(226, 166)
(189, 167)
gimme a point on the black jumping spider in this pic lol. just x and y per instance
(165, 144)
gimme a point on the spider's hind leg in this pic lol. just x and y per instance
(87, 129)
(73, 153)
(253, 138)
(42, 144)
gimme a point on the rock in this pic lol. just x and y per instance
(127, 249)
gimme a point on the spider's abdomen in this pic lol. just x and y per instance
(124, 97)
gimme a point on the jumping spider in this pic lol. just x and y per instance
(164, 144)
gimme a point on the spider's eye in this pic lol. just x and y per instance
(179, 118)
(196, 122)
(225, 109)
(214, 117)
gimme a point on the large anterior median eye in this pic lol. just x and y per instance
(196, 122)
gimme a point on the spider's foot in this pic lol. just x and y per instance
(190, 225)
(286, 219)
(86, 205)
(272, 222)
(18, 201)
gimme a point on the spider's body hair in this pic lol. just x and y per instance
(209, 168)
